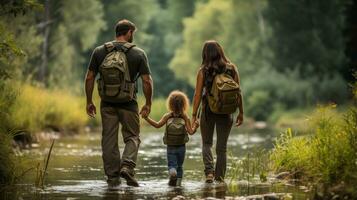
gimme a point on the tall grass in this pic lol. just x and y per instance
(7, 157)
(327, 155)
(253, 167)
(30, 108)
(37, 108)
(42, 169)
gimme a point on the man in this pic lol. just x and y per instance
(124, 112)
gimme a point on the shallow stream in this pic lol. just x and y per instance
(75, 171)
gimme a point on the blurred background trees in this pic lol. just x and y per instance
(290, 54)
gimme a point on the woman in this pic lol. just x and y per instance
(214, 62)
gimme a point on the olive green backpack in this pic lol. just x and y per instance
(222, 98)
(114, 84)
(175, 132)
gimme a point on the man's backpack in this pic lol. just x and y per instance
(114, 84)
(175, 132)
(222, 98)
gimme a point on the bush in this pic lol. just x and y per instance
(327, 155)
(269, 90)
(259, 105)
(7, 97)
(37, 108)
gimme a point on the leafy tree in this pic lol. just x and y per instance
(72, 35)
(203, 25)
(237, 25)
(139, 12)
(166, 31)
(308, 36)
(10, 53)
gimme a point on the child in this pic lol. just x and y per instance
(177, 126)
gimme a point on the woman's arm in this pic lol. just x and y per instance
(198, 95)
(160, 123)
(191, 130)
(239, 120)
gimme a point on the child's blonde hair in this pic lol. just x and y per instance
(178, 102)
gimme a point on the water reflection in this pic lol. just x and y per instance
(76, 171)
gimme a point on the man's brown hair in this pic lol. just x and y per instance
(123, 26)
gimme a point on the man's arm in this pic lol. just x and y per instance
(147, 90)
(89, 86)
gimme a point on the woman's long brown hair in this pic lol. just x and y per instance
(213, 55)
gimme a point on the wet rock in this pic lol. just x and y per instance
(23, 139)
(255, 197)
(179, 197)
(272, 197)
(260, 125)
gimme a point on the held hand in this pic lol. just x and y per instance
(91, 110)
(193, 120)
(239, 120)
(197, 123)
(145, 111)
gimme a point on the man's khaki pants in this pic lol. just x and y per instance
(129, 120)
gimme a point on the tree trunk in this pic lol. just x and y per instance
(46, 33)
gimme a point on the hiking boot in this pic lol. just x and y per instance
(128, 175)
(178, 182)
(173, 177)
(113, 183)
(209, 178)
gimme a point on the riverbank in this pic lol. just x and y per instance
(325, 156)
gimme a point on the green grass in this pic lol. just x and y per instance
(37, 108)
(327, 154)
(253, 167)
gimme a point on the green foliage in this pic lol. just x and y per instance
(265, 94)
(14, 8)
(308, 36)
(231, 23)
(82, 27)
(203, 25)
(37, 108)
(10, 55)
(75, 33)
(327, 155)
(6, 158)
(42, 169)
(139, 12)
(284, 57)
(252, 167)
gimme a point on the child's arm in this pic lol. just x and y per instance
(160, 123)
(189, 128)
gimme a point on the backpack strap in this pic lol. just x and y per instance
(127, 46)
(230, 70)
(109, 46)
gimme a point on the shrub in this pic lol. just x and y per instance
(328, 154)
(37, 108)
(269, 90)
(7, 97)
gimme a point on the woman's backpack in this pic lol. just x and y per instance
(175, 132)
(114, 84)
(223, 95)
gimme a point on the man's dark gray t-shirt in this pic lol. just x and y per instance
(138, 65)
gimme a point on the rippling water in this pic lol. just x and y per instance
(76, 172)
